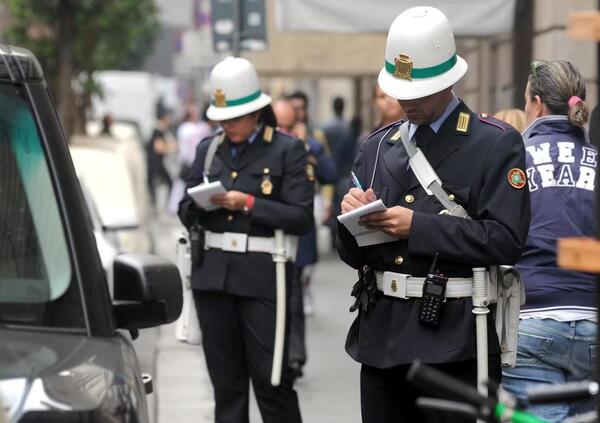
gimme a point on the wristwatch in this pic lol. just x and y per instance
(249, 204)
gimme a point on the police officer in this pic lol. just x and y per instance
(268, 187)
(480, 162)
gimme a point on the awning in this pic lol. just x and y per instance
(469, 18)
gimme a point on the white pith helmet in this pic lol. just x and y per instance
(235, 90)
(420, 55)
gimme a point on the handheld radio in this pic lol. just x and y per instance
(434, 291)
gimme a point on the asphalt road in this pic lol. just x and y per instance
(329, 390)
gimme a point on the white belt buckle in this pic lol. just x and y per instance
(394, 284)
(235, 242)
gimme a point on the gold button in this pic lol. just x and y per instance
(233, 174)
(451, 197)
(409, 198)
(398, 260)
(266, 170)
(229, 218)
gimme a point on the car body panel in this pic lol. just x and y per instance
(42, 371)
(85, 373)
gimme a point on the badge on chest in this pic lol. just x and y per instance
(266, 186)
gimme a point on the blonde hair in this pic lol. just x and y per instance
(557, 82)
(514, 117)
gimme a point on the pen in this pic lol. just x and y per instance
(356, 181)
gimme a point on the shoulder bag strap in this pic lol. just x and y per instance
(426, 176)
(210, 154)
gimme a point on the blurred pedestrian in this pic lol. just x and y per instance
(322, 171)
(514, 117)
(479, 161)
(339, 136)
(299, 101)
(324, 199)
(342, 143)
(190, 132)
(388, 108)
(161, 143)
(107, 121)
(558, 326)
(269, 187)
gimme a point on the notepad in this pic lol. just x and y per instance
(202, 193)
(363, 235)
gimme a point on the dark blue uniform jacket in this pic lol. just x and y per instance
(473, 164)
(288, 206)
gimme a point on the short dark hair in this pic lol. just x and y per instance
(300, 95)
(338, 106)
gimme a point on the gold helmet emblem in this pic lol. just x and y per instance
(220, 100)
(404, 67)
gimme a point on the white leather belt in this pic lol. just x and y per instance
(241, 243)
(401, 285)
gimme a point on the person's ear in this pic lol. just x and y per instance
(538, 106)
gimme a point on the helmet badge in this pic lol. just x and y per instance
(404, 67)
(220, 100)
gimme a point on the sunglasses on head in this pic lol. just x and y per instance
(534, 66)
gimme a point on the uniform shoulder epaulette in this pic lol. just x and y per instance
(384, 128)
(268, 133)
(491, 120)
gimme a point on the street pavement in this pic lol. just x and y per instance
(329, 389)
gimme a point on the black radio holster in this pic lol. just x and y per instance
(196, 245)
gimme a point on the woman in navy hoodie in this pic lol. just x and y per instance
(557, 330)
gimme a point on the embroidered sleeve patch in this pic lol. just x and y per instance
(516, 178)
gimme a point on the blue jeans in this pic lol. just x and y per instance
(551, 352)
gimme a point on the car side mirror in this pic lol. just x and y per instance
(147, 291)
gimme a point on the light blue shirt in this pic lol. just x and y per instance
(251, 139)
(436, 124)
(253, 136)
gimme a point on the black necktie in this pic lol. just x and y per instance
(423, 137)
(236, 150)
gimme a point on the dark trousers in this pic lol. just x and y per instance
(157, 173)
(237, 337)
(386, 396)
(297, 352)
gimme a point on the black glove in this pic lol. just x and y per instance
(365, 290)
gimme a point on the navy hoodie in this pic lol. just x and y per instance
(561, 169)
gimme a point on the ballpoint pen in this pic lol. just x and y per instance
(356, 181)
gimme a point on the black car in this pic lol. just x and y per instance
(65, 353)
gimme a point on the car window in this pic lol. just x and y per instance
(35, 266)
